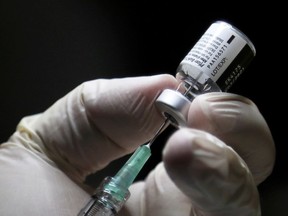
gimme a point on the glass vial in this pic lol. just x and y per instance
(213, 64)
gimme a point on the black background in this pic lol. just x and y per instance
(48, 47)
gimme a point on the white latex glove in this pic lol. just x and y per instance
(203, 175)
(44, 162)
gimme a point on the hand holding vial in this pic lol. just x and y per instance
(211, 165)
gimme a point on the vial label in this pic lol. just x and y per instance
(222, 53)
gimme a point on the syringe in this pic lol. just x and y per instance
(113, 192)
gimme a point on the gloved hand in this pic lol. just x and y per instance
(212, 169)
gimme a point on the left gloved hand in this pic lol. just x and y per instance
(48, 157)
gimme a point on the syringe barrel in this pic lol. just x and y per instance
(107, 200)
(113, 192)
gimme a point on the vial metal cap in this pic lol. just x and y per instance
(173, 105)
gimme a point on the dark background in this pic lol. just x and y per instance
(48, 47)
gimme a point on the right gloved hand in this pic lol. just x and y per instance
(211, 168)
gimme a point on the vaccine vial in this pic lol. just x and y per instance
(215, 62)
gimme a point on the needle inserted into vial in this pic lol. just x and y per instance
(113, 191)
(213, 64)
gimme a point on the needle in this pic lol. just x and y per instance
(164, 124)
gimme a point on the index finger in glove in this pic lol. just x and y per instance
(211, 174)
(98, 121)
(238, 122)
